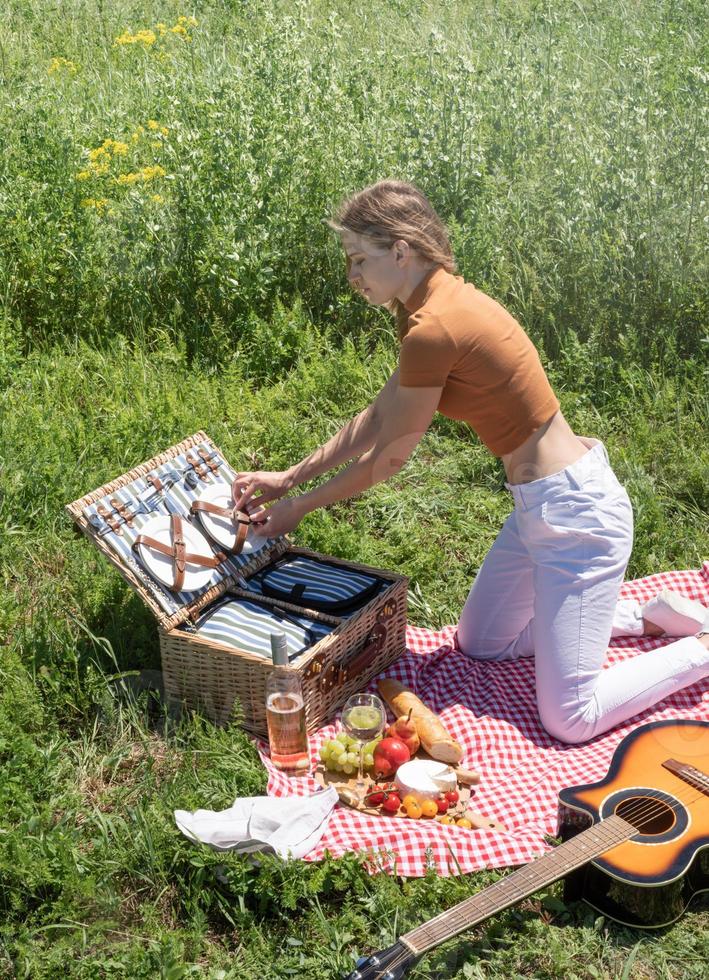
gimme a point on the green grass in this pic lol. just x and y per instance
(563, 144)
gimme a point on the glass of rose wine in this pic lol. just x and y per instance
(363, 718)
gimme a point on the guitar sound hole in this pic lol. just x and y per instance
(649, 815)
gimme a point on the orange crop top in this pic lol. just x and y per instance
(462, 340)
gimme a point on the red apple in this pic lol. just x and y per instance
(389, 754)
(405, 730)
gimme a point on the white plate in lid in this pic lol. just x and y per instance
(220, 527)
(162, 567)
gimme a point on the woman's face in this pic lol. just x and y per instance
(374, 270)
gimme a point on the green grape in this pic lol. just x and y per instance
(352, 758)
(363, 716)
(371, 746)
(337, 748)
(343, 737)
(368, 761)
(348, 769)
(324, 752)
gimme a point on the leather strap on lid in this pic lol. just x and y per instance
(208, 459)
(178, 552)
(155, 480)
(239, 518)
(179, 549)
(199, 467)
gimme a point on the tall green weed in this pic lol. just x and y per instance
(564, 146)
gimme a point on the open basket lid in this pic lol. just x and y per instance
(115, 514)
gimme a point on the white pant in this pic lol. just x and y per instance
(549, 588)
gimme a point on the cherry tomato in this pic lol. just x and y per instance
(447, 819)
(392, 803)
(464, 822)
(375, 798)
(413, 809)
(429, 808)
(442, 804)
(452, 796)
(409, 798)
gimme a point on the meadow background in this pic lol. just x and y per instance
(164, 267)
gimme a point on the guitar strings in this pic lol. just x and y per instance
(637, 812)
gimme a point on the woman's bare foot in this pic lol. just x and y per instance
(650, 629)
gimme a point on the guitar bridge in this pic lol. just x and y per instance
(695, 777)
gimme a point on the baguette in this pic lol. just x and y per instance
(434, 737)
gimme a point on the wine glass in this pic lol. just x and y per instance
(363, 718)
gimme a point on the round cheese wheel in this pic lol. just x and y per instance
(425, 779)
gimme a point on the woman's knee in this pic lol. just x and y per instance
(569, 727)
(478, 648)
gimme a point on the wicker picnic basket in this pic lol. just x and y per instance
(210, 677)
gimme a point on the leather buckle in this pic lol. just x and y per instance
(180, 547)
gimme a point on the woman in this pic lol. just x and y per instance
(549, 586)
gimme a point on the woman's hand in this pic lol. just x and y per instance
(269, 486)
(281, 518)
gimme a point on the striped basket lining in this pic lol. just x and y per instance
(248, 626)
(323, 582)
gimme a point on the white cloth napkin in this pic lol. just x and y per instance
(287, 825)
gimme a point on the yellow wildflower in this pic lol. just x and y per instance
(150, 173)
(157, 128)
(156, 145)
(57, 64)
(84, 175)
(145, 37)
(143, 176)
(181, 30)
(97, 203)
(162, 29)
(187, 21)
(158, 198)
(108, 147)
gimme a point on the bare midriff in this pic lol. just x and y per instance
(550, 449)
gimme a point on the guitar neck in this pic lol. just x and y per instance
(525, 881)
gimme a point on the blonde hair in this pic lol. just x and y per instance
(391, 210)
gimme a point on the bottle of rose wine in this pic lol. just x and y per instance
(285, 712)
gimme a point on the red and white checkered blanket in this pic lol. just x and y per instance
(491, 710)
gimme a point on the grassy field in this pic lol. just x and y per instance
(164, 267)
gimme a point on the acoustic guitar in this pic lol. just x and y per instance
(632, 846)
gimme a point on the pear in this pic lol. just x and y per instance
(404, 728)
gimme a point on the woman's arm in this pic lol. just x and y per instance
(409, 413)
